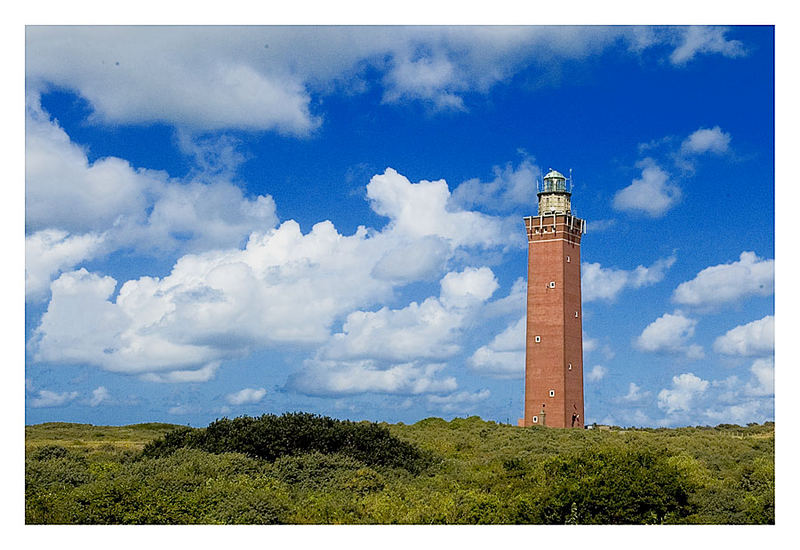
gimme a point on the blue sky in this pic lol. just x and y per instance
(225, 221)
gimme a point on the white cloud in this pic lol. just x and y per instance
(763, 382)
(419, 210)
(753, 339)
(246, 396)
(597, 373)
(635, 394)
(428, 330)
(512, 304)
(202, 374)
(738, 413)
(64, 190)
(652, 193)
(670, 333)
(413, 260)
(720, 284)
(49, 398)
(336, 378)
(143, 208)
(686, 388)
(591, 345)
(51, 251)
(427, 78)
(706, 140)
(425, 330)
(264, 78)
(599, 283)
(704, 40)
(76, 210)
(510, 189)
(99, 395)
(596, 226)
(184, 409)
(636, 417)
(458, 402)
(694, 400)
(504, 356)
(284, 287)
(468, 287)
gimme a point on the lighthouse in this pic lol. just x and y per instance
(554, 340)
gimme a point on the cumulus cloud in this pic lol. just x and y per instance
(183, 409)
(504, 356)
(511, 188)
(597, 373)
(419, 331)
(265, 78)
(706, 140)
(419, 210)
(724, 283)
(763, 379)
(246, 396)
(51, 251)
(652, 194)
(337, 378)
(686, 388)
(691, 399)
(740, 403)
(64, 190)
(47, 398)
(458, 402)
(383, 350)
(283, 287)
(752, 339)
(99, 395)
(133, 207)
(599, 283)
(635, 394)
(76, 210)
(512, 304)
(468, 287)
(591, 345)
(696, 40)
(413, 260)
(670, 333)
(202, 374)
(739, 413)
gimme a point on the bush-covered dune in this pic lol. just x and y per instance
(301, 468)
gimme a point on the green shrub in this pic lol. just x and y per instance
(48, 452)
(270, 437)
(611, 486)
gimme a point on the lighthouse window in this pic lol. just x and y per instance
(569, 366)
(552, 393)
(576, 314)
(552, 284)
(538, 338)
(535, 419)
(567, 259)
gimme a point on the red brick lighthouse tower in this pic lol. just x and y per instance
(554, 342)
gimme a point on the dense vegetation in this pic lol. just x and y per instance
(302, 468)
